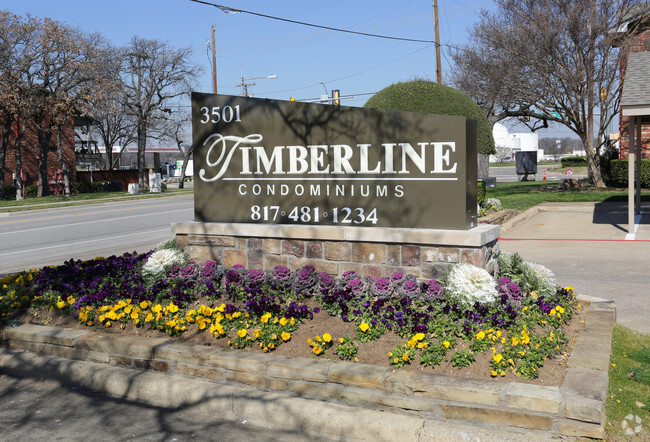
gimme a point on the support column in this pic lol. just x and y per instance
(630, 176)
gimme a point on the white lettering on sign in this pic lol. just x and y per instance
(336, 159)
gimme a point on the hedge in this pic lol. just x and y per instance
(574, 162)
(481, 190)
(432, 98)
(618, 173)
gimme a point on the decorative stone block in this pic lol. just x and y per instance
(232, 257)
(393, 257)
(429, 254)
(337, 251)
(474, 256)
(449, 254)
(272, 246)
(271, 261)
(410, 255)
(533, 397)
(293, 247)
(369, 253)
(314, 249)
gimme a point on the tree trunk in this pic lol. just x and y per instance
(483, 170)
(186, 159)
(19, 161)
(3, 154)
(44, 145)
(142, 145)
(593, 162)
(64, 166)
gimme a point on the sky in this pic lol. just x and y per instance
(308, 61)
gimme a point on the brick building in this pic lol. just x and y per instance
(637, 30)
(30, 154)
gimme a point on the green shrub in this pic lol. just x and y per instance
(79, 187)
(432, 98)
(481, 190)
(618, 173)
(10, 192)
(31, 191)
(574, 162)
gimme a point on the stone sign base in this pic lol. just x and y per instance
(370, 251)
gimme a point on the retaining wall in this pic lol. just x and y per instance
(576, 409)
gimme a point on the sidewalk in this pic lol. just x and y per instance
(584, 245)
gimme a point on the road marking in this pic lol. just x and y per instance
(90, 222)
(78, 214)
(81, 242)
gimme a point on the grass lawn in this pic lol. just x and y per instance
(79, 199)
(526, 194)
(628, 403)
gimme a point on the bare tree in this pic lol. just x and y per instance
(177, 128)
(504, 153)
(547, 60)
(110, 118)
(9, 38)
(153, 75)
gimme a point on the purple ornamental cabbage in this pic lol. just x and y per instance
(434, 291)
(255, 277)
(306, 279)
(326, 283)
(233, 277)
(174, 272)
(282, 276)
(510, 289)
(349, 276)
(382, 288)
(190, 271)
(410, 288)
(397, 279)
(356, 287)
(208, 271)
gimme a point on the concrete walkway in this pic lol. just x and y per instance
(584, 245)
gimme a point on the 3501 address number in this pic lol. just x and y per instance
(306, 214)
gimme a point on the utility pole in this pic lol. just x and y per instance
(437, 36)
(214, 62)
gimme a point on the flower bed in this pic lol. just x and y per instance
(508, 327)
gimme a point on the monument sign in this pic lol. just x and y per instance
(282, 162)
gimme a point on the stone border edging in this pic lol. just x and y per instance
(576, 409)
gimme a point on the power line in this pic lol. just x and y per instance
(230, 10)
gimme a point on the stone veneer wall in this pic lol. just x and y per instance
(370, 251)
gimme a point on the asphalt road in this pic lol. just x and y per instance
(35, 239)
(44, 410)
(508, 174)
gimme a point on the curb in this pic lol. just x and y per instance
(338, 400)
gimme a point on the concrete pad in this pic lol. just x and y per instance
(584, 245)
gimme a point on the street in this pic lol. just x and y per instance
(33, 239)
(508, 174)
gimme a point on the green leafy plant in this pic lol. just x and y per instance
(346, 349)
(462, 358)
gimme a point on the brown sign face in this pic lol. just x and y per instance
(282, 162)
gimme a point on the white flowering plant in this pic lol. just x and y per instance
(160, 261)
(467, 284)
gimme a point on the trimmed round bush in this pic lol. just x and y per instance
(432, 98)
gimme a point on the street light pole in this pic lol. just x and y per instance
(326, 93)
(244, 86)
